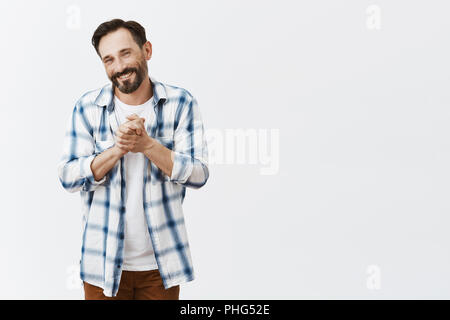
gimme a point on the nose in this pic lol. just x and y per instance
(119, 67)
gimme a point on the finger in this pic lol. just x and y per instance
(136, 125)
(133, 129)
(142, 126)
(124, 130)
(125, 146)
(129, 128)
(141, 123)
(126, 139)
(133, 116)
(121, 146)
(133, 122)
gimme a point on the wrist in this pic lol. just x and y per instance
(150, 143)
(118, 152)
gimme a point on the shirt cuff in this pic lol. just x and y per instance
(182, 167)
(86, 172)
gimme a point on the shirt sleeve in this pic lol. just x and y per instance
(190, 167)
(74, 167)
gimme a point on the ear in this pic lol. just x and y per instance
(147, 47)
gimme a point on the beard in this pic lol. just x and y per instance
(127, 86)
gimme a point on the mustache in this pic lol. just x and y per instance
(125, 71)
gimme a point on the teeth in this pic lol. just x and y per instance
(125, 75)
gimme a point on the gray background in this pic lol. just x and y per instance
(357, 91)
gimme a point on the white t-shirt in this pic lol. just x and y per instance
(138, 249)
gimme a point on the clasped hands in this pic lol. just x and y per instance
(132, 135)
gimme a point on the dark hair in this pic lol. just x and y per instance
(137, 31)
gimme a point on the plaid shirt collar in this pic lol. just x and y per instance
(106, 96)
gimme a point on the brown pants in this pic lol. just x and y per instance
(136, 285)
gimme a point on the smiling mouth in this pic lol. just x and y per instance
(126, 75)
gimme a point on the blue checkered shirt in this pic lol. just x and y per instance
(175, 123)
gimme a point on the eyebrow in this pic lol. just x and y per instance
(109, 56)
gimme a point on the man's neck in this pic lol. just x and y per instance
(140, 96)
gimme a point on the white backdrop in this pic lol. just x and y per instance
(329, 143)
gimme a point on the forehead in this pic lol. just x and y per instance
(115, 41)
